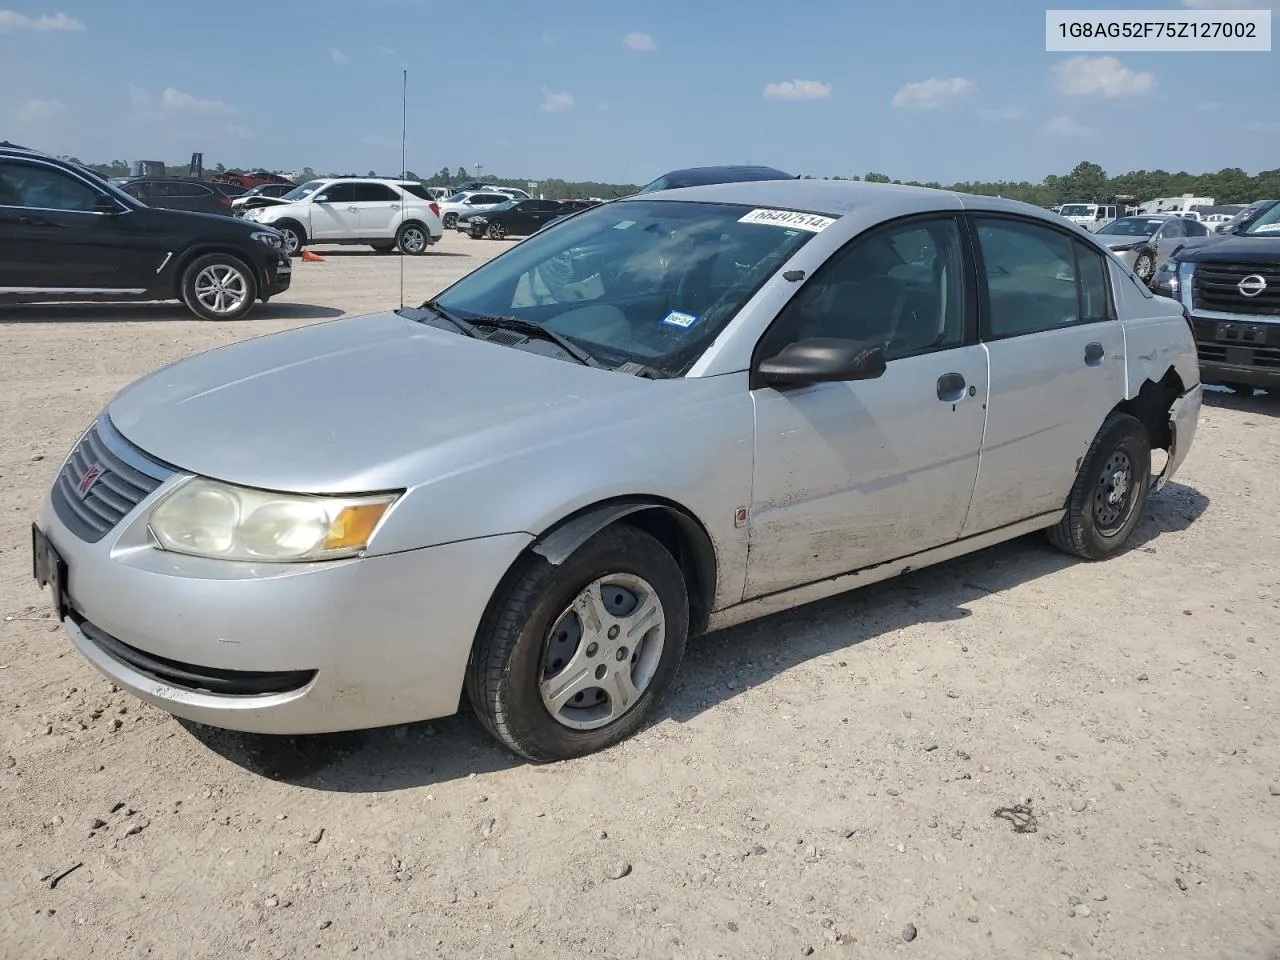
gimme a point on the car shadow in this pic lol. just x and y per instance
(1224, 399)
(153, 312)
(717, 666)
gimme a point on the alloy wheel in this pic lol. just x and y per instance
(221, 288)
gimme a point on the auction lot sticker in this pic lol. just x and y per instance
(789, 218)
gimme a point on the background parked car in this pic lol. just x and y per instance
(1146, 242)
(704, 176)
(385, 214)
(263, 195)
(519, 218)
(179, 193)
(68, 234)
(461, 204)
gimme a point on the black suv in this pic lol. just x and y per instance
(66, 234)
(179, 193)
(1230, 285)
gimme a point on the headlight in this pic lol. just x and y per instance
(270, 237)
(477, 219)
(205, 518)
(1182, 279)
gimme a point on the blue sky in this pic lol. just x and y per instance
(586, 89)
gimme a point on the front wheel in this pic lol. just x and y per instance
(1144, 267)
(497, 231)
(293, 238)
(1110, 491)
(450, 221)
(217, 286)
(571, 659)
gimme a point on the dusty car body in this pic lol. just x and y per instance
(751, 396)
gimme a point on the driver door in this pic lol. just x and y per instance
(849, 475)
(1169, 238)
(335, 212)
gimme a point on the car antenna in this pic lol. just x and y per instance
(404, 127)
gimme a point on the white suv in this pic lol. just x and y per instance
(386, 214)
(461, 204)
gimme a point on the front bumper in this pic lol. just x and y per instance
(368, 642)
(277, 274)
(1238, 348)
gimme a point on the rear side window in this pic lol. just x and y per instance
(416, 189)
(1095, 295)
(1038, 279)
(375, 193)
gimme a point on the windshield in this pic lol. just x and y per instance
(1268, 224)
(303, 191)
(1078, 210)
(634, 281)
(1131, 227)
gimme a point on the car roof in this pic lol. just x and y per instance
(753, 171)
(839, 197)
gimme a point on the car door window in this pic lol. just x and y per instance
(375, 193)
(901, 288)
(43, 188)
(339, 193)
(1195, 228)
(1032, 282)
(1174, 229)
(1095, 293)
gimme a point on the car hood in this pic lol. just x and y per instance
(366, 403)
(209, 224)
(1265, 249)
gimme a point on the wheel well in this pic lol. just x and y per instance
(297, 227)
(180, 269)
(682, 534)
(411, 222)
(1151, 406)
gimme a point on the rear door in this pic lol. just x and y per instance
(1057, 359)
(56, 238)
(379, 209)
(335, 213)
(1171, 235)
(540, 212)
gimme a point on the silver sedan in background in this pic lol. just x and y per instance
(670, 414)
(1146, 242)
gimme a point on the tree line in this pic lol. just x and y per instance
(1086, 182)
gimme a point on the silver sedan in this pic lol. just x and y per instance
(1146, 242)
(670, 414)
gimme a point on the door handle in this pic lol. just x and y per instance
(395, 206)
(951, 388)
(1093, 354)
(353, 208)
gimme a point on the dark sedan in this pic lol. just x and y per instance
(179, 193)
(519, 218)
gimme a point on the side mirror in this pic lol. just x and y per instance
(823, 360)
(323, 198)
(108, 205)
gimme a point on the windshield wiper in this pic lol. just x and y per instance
(538, 330)
(462, 325)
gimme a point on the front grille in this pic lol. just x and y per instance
(1216, 287)
(244, 683)
(125, 475)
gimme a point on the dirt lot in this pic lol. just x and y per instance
(1019, 755)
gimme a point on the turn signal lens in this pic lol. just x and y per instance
(354, 526)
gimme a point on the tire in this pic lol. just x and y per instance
(1145, 266)
(383, 246)
(1096, 527)
(450, 221)
(532, 620)
(413, 239)
(496, 231)
(218, 286)
(294, 237)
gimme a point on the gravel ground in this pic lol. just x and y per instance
(1012, 755)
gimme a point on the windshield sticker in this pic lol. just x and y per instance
(789, 218)
(623, 224)
(677, 319)
(1267, 228)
